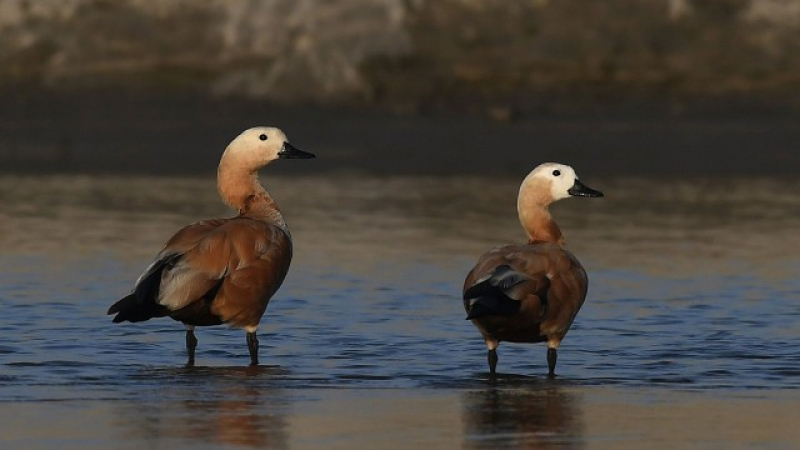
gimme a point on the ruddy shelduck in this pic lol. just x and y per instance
(222, 271)
(530, 292)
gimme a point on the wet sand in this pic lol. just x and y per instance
(525, 416)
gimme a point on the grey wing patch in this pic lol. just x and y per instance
(501, 279)
(494, 293)
(149, 283)
(162, 260)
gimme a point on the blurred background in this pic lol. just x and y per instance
(679, 87)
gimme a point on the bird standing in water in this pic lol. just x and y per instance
(222, 271)
(530, 292)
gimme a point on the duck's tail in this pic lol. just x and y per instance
(143, 304)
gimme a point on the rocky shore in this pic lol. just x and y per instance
(500, 59)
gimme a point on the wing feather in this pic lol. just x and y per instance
(234, 251)
(539, 288)
(222, 270)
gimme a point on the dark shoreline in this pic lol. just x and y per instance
(183, 133)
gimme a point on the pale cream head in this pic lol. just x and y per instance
(255, 148)
(237, 176)
(560, 178)
(547, 183)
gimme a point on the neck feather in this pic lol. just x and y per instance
(240, 189)
(534, 214)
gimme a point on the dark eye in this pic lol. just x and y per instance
(263, 137)
(556, 173)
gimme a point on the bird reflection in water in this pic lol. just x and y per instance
(215, 406)
(524, 417)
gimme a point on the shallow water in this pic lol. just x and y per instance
(691, 315)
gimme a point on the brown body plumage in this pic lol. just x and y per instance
(253, 257)
(222, 270)
(530, 292)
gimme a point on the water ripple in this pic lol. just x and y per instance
(382, 309)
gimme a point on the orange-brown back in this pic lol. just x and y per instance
(247, 258)
(549, 298)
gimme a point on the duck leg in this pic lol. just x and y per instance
(552, 357)
(491, 345)
(252, 345)
(191, 345)
(492, 357)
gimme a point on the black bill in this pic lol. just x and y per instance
(581, 190)
(291, 152)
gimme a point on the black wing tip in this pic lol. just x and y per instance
(480, 287)
(141, 304)
(475, 311)
(493, 305)
(130, 309)
(493, 282)
(474, 314)
(121, 304)
(132, 316)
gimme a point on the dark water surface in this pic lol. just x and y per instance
(691, 322)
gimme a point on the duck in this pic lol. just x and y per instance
(530, 292)
(222, 271)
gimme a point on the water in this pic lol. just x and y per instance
(691, 319)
